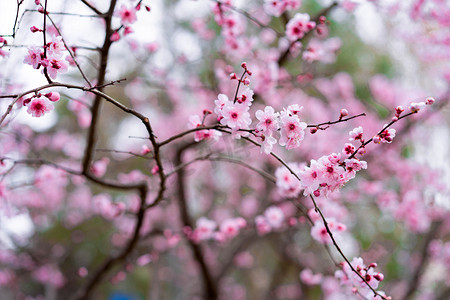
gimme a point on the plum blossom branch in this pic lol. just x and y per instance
(319, 126)
(210, 287)
(70, 53)
(325, 223)
(92, 7)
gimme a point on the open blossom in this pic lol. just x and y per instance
(356, 134)
(37, 107)
(236, 116)
(231, 227)
(274, 216)
(309, 278)
(292, 131)
(246, 97)
(127, 15)
(205, 229)
(34, 57)
(222, 99)
(298, 26)
(55, 49)
(268, 120)
(288, 185)
(54, 66)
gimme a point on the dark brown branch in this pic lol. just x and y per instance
(319, 126)
(90, 143)
(72, 55)
(93, 8)
(44, 33)
(209, 284)
(316, 207)
(108, 264)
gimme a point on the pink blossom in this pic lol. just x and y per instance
(231, 227)
(320, 233)
(205, 229)
(37, 107)
(348, 149)
(386, 136)
(99, 167)
(309, 278)
(53, 96)
(292, 131)
(268, 120)
(349, 278)
(115, 36)
(288, 185)
(220, 103)
(274, 216)
(55, 48)
(298, 26)
(54, 66)
(34, 57)
(356, 134)
(267, 143)
(246, 97)
(236, 116)
(127, 15)
(262, 225)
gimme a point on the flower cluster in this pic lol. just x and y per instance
(38, 105)
(348, 278)
(273, 218)
(206, 229)
(51, 59)
(329, 173)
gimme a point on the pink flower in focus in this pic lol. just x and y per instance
(292, 131)
(55, 48)
(356, 134)
(236, 116)
(268, 120)
(37, 107)
(54, 66)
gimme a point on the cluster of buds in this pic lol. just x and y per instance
(245, 80)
